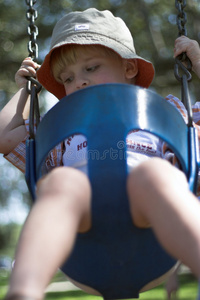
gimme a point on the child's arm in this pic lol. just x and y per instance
(191, 47)
(12, 128)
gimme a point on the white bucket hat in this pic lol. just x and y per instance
(93, 27)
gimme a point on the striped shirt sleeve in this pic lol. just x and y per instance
(17, 157)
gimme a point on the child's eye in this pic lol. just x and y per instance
(68, 80)
(92, 68)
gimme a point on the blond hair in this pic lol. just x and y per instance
(68, 54)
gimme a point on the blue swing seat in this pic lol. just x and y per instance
(115, 258)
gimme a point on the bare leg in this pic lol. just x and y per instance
(160, 198)
(61, 210)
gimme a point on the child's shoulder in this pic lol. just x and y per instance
(180, 106)
(176, 102)
(172, 98)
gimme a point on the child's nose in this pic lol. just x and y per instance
(82, 83)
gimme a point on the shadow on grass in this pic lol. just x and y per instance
(70, 295)
(187, 278)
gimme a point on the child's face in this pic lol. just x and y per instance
(92, 68)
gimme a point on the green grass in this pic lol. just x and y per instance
(3, 286)
(187, 291)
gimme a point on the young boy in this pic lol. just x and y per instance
(89, 48)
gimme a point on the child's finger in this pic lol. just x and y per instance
(28, 62)
(27, 71)
(180, 45)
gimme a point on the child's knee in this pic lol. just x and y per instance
(154, 173)
(143, 175)
(64, 180)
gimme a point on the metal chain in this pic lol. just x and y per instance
(31, 16)
(183, 60)
(181, 17)
(33, 86)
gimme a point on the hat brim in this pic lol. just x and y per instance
(45, 77)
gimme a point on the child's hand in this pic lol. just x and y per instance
(28, 68)
(191, 47)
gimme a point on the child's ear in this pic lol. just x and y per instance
(131, 68)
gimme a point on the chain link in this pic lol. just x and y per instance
(33, 86)
(181, 17)
(31, 15)
(182, 58)
(182, 62)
